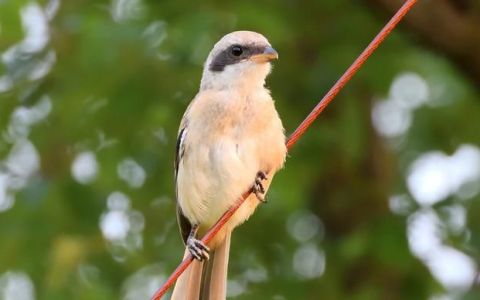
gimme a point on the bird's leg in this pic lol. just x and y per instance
(196, 247)
(258, 188)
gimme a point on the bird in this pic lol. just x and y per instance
(231, 140)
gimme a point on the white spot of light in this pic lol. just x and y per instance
(115, 225)
(6, 199)
(16, 286)
(23, 118)
(308, 261)
(393, 116)
(143, 283)
(409, 90)
(85, 167)
(37, 35)
(124, 10)
(452, 268)
(132, 173)
(118, 201)
(434, 176)
(303, 226)
(121, 225)
(23, 159)
(424, 233)
(391, 119)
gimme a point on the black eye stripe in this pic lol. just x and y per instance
(226, 57)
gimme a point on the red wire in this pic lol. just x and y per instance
(297, 134)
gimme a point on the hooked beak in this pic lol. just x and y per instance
(268, 55)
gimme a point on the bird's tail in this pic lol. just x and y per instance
(205, 280)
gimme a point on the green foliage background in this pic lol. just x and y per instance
(124, 72)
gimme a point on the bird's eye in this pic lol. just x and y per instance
(237, 50)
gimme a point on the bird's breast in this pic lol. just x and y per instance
(229, 141)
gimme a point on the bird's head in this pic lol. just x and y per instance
(241, 59)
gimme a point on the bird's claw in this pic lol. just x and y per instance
(198, 249)
(258, 188)
(262, 175)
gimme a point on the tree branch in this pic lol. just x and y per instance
(451, 27)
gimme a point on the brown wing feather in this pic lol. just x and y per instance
(183, 223)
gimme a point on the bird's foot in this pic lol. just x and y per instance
(258, 188)
(198, 249)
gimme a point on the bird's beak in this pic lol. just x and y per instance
(268, 54)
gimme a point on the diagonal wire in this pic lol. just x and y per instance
(349, 73)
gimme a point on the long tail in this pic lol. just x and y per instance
(205, 280)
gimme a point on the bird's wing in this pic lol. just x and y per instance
(183, 223)
(179, 150)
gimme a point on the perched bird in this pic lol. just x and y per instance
(231, 140)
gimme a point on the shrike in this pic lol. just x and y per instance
(231, 140)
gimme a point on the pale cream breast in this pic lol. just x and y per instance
(237, 136)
